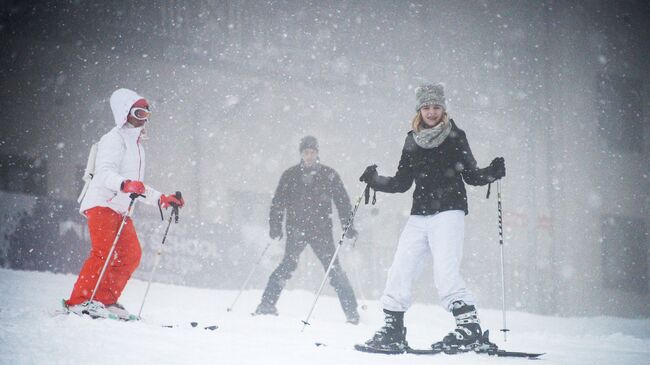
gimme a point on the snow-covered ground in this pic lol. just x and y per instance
(30, 334)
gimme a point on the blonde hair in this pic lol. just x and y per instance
(417, 121)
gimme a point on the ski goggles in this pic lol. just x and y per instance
(140, 113)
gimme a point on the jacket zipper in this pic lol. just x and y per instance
(139, 158)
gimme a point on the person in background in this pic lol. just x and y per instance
(304, 195)
(119, 172)
(437, 157)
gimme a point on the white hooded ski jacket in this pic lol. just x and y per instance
(120, 156)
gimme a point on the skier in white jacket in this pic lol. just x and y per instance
(119, 172)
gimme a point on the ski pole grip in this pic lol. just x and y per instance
(179, 196)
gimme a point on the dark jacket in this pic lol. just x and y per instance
(438, 174)
(306, 195)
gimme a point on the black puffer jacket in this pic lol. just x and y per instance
(306, 195)
(438, 174)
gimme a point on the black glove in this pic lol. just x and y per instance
(275, 231)
(498, 168)
(369, 175)
(351, 233)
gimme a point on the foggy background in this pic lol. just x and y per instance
(559, 89)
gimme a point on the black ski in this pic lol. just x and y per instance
(486, 347)
(408, 350)
(499, 353)
(422, 351)
(373, 350)
(504, 353)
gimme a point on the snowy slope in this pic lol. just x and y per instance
(29, 334)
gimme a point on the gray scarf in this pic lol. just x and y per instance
(432, 137)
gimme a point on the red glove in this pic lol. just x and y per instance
(132, 186)
(167, 200)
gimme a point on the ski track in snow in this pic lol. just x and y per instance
(31, 334)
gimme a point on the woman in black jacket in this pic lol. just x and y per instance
(437, 156)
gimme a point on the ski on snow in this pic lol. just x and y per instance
(193, 324)
(486, 347)
(210, 327)
(497, 352)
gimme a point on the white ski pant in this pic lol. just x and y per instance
(439, 236)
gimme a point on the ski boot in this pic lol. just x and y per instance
(93, 309)
(467, 336)
(121, 313)
(352, 318)
(389, 339)
(265, 309)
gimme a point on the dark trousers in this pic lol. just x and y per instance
(324, 248)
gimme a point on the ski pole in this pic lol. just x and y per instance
(503, 279)
(250, 275)
(336, 252)
(133, 196)
(174, 213)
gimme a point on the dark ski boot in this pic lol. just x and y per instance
(467, 336)
(352, 318)
(389, 339)
(265, 309)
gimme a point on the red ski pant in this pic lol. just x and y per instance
(103, 224)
